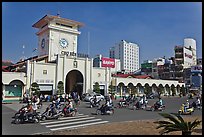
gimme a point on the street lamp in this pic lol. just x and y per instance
(31, 69)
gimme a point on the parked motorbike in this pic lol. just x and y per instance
(20, 117)
(188, 111)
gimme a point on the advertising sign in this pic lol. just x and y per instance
(108, 62)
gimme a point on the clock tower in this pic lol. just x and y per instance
(57, 35)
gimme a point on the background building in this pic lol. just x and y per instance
(128, 53)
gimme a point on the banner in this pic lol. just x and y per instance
(108, 62)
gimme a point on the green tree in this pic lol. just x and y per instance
(176, 123)
(111, 90)
(35, 89)
(60, 87)
(182, 91)
(96, 87)
(147, 89)
(160, 90)
(173, 90)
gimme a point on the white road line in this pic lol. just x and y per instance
(50, 120)
(47, 123)
(72, 123)
(79, 125)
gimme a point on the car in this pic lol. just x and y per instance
(91, 96)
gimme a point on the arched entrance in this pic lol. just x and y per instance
(74, 82)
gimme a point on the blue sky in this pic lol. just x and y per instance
(155, 26)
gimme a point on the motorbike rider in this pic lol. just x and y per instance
(52, 108)
(140, 103)
(105, 107)
(198, 103)
(69, 106)
(158, 104)
(186, 106)
(29, 110)
(94, 100)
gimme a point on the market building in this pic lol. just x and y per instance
(59, 60)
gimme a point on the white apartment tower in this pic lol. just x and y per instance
(191, 45)
(128, 53)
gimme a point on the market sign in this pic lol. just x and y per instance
(108, 62)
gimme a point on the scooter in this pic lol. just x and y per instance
(155, 108)
(109, 111)
(20, 117)
(122, 104)
(95, 104)
(49, 115)
(196, 106)
(73, 112)
(188, 111)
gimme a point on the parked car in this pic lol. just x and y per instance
(91, 96)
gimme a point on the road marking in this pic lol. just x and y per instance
(79, 125)
(66, 120)
(72, 123)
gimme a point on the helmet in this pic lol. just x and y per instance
(29, 101)
(53, 101)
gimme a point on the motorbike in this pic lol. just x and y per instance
(108, 111)
(94, 104)
(138, 106)
(188, 111)
(48, 114)
(196, 105)
(122, 104)
(73, 112)
(20, 117)
(156, 108)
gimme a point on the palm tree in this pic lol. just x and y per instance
(176, 123)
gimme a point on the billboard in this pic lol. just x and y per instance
(108, 62)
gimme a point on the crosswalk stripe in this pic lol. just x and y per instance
(63, 118)
(65, 124)
(61, 121)
(79, 125)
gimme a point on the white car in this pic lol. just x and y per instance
(91, 96)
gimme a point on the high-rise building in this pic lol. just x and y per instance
(190, 44)
(128, 53)
(185, 57)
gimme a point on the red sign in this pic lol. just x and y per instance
(108, 62)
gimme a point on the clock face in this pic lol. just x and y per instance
(43, 43)
(63, 43)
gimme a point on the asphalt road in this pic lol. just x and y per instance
(121, 114)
